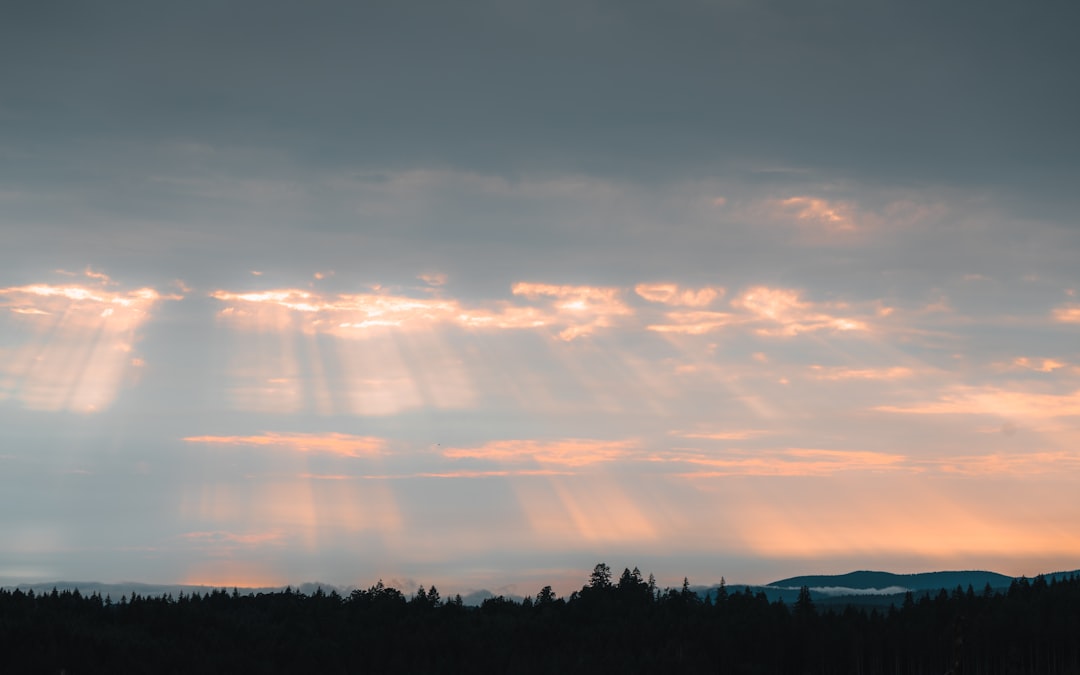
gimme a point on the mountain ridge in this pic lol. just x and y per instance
(920, 581)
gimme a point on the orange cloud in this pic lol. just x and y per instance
(1011, 464)
(78, 342)
(894, 373)
(1068, 314)
(577, 309)
(694, 323)
(737, 435)
(1039, 365)
(581, 308)
(672, 294)
(567, 452)
(830, 215)
(787, 462)
(433, 279)
(793, 315)
(994, 401)
(332, 443)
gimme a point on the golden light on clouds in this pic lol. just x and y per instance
(572, 311)
(673, 294)
(731, 435)
(572, 452)
(831, 216)
(696, 362)
(576, 310)
(582, 309)
(74, 344)
(1012, 464)
(787, 314)
(893, 373)
(695, 323)
(331, 443)
(1039, 365)
(785, 462)
(995, 401)
(1068, 313)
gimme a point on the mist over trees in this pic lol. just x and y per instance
(625, 624)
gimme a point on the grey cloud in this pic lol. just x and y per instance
(963, 92)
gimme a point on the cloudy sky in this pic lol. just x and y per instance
(482, 293)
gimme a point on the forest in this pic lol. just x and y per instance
(624, 625)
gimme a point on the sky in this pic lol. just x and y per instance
(480, 294)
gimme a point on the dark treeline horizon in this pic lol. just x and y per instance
(626, 624)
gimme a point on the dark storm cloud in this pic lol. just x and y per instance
(965, 92)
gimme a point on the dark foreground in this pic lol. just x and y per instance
(623, 626)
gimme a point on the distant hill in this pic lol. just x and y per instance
(869, 589)
(880, 581)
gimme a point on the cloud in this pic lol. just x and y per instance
(330, 443)
(893, 373)
(995, 401)
(75, 342)
(695, 323)
(786, 314)
(830, 216)
(1038, 365)
(1068, 313)
(672, 294)
(735, 435)
(1010, 464)
(570, 452)
(786, 462)
(433, 279)
(582, 308)
(577, 310)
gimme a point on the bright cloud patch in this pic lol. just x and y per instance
(1011, 464)
(830, 216)
(894, 373)
(71, 346)
(673, 294)
(784, 313)
(333, 443)
(995, 401)
(1068, 314)
(571, 452)
(1038, 365)
(577, 310)
(787, 462)
(695, 323)
(581, 308)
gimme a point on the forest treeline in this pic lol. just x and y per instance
(623, 624)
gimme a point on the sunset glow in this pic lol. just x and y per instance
(479, 295)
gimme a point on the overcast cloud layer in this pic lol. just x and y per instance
(483, 293)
